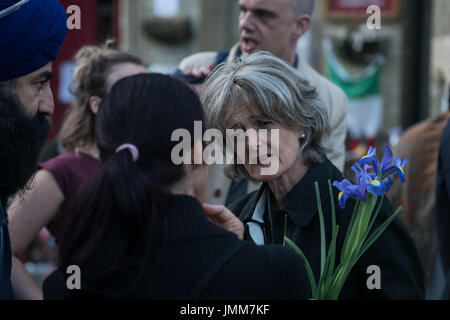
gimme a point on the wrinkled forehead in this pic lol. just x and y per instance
(242, 110)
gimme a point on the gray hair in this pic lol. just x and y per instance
(279, 91)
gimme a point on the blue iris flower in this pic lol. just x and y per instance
(386, 164)
(400, 166)
(389, 169)
(369, 178)
(370, 158)
(347, 190)
(372, 153)
(363, 178)
(378, 187)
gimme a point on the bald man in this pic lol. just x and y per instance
(274, 26)
(32, 34)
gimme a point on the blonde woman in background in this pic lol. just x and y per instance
(49, 201)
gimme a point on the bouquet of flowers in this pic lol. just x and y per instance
(373, 180)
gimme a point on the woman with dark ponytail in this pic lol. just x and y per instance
(140, 232)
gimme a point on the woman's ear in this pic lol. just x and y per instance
(94, 102)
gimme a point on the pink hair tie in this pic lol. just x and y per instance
(130, 147)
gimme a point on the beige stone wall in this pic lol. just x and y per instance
(391, 81)
(214, 24)
(441, 14)
(440, 55)
(161, 55)
(220, 20)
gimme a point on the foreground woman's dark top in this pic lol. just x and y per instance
(394, 252)
(191, 248)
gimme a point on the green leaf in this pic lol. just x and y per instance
(333, 209)
(355, 233)
(359, 229)
(374, 217)
(352, 239)
(334, 290)
(322, 231)
(340, 280)
(378, 232)
(372, 221)
(330, 264)
(365, 214)
(308, 268)
(326, 277)
(365, 217)
(350, 227)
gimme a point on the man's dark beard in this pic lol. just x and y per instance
(21, 139)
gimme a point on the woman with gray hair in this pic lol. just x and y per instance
(259, 92)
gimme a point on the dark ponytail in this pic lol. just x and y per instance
(119, 210)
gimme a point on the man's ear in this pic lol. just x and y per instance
(94, 102)
(301, 25)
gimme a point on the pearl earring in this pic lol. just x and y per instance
(303, 136)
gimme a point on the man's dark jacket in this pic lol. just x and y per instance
(443, 205)
(5, 258)
(394, 252)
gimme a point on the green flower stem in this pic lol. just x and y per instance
(367, 211)
(359, 229)
(350, 227)
(336, 286)
(308, 268)
(358, 234)
(323, 252)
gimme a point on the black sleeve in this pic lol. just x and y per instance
(54, 287)
(290, 281)
(442, 214)
(445, 158)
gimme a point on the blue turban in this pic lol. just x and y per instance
(30, 37)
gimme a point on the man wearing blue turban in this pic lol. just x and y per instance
(31, 34)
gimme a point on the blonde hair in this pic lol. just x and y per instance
(280, 92)
(94, 63)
